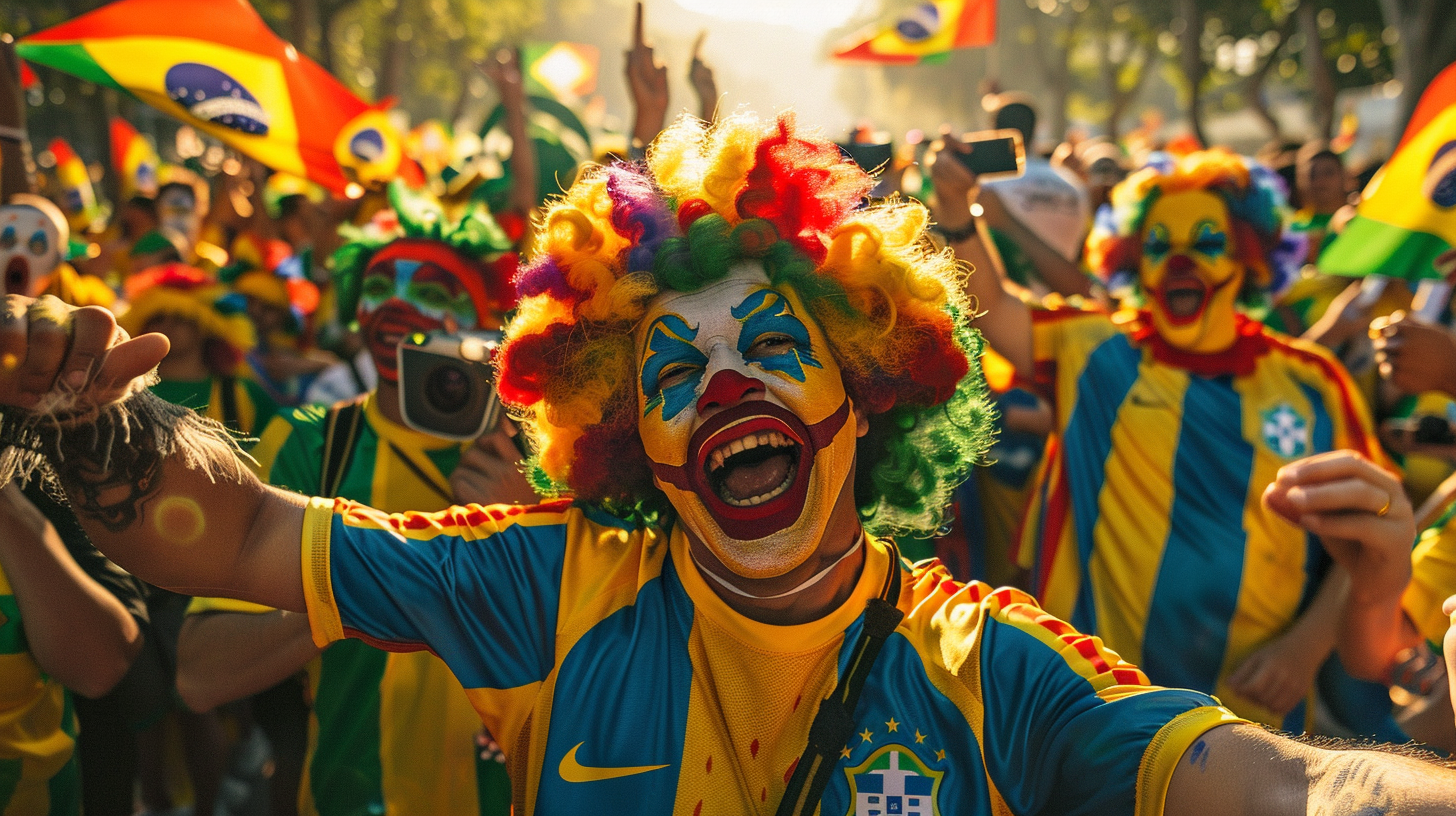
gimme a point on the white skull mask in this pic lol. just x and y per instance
(31, 247)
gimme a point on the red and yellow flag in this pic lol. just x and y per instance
(78, 197)
(215, 65)
(1408, 216)
(134, 159)
(927, 30)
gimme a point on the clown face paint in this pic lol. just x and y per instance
(1189, 271)
(417, 287)
(745, 419)
(30, 248)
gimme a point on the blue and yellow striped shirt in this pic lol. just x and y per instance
(1147, 528)
(618, 682)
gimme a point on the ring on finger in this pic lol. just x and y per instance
(1385, 508)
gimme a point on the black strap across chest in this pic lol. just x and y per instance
(833, 724)
(342, 425)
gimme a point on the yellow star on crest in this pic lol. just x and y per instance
(892, 725)
(844, 752)
(940, 756)
(919, 737)
(867, 735)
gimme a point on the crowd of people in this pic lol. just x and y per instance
(822, 487)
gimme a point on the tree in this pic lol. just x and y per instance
(1426, 32)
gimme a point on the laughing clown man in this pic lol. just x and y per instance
(747, 381)
(1147, 529)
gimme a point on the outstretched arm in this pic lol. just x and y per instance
(647, 82)
(1006, 323)
(1239, 770)
(225, 656)
(504, 72)
(157, 489)
(78, 632)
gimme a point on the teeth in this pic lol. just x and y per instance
(771, 438)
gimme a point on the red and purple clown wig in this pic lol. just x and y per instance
(1253, 194)
(892, 308)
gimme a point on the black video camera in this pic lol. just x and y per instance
(447, 383)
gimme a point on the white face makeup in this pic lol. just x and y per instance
(745, 419)
(30, 248)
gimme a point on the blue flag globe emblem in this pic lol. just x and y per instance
(1441, 177)
(215, 97)
(367, 145)
(920, 24)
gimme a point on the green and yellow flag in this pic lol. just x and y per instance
(215, 65)
(1408, 216)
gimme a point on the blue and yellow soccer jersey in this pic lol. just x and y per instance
(1147, 528)
(618, 682)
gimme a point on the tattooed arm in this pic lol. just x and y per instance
(159, 490)
(1242, 769)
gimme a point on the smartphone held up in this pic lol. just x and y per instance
(994, 154)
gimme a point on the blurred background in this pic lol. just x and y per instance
(1237, 72)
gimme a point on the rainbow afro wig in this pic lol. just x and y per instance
(1256, 201)
(708, 199)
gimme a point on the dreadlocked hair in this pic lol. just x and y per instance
(474, 235)
(708, 199)
(1256, 202)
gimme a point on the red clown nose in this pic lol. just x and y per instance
(726, 388)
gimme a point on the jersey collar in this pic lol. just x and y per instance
(769, 637)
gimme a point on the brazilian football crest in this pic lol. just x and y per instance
(893, 781)
(1285, 432)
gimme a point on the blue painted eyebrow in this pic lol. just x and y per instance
(767, 311)
(669, 341)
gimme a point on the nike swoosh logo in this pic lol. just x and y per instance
(573, 771)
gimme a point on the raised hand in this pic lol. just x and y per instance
(1414, 356)
(490, 471)
(647, 80)
(701, 77)
(56, 358)
(1360, 513)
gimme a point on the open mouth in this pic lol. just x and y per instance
(1183, 293)
(746, 463)
(750, 465)
(754, 468)
(17, 276)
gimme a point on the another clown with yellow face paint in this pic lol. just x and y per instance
(1147, 528)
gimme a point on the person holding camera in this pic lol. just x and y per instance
(394, 732)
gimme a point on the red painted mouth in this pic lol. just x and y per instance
(1183, 294)
(17, 276)
(750, 466)
(386, 328)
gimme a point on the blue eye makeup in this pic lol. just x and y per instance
(1209, 240)
(1157, 245)
(772, 337)
(672, 366)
